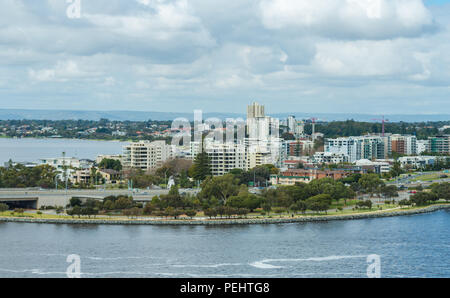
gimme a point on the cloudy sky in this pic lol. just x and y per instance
(361, 56)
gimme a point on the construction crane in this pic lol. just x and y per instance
(383, 121)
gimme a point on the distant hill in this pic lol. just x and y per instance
(20, 114)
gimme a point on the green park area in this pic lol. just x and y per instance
(431, 177)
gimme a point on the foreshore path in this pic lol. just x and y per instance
(233, 221)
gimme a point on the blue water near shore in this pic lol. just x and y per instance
(31, 150)
(408, 246)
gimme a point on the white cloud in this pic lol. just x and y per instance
(299, 54)
(364, 19)
(367, 58)
(63, 71)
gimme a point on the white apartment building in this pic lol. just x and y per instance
(422, 146)
(225, 157)
(417, 162)
(291, 123)
(380, 167)
(329, 158)
(146, 155)
(194, 149)
(269, 151)
(66, 162)
(361, 147)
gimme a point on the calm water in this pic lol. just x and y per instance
(31, 150)
(409, 246)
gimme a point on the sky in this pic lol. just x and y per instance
(323, 56)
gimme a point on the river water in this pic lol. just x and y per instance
(31, 150)
(408, 246)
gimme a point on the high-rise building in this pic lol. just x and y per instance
(224, 157)
(146, 155)
(300, 147)
(255, 110)
(291, 123)
(263, 143)
(422, 146)
(440, 144)
(404, 144)
(299, 129)
(362, 147)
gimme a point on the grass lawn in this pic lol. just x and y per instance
(384, 208)
(32, 215)
(429, 177)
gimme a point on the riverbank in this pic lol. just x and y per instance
(242, 221)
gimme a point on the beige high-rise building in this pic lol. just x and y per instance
(255, 110)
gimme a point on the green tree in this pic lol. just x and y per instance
(222, 188)
(111, 164)
(442, 191)
(319, 203)
(396, 169)
(191, 213)
(370, 183)
(201, 168)
(3, 207)
(267, 208)
(75, 202)
(423, 198)
(389, 191)
(299, 206)
(211, 212)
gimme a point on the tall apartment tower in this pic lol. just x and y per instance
(291, 123)
(255, 110)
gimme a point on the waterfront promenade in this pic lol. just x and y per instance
(234, 221)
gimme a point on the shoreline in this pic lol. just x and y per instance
(62, 138)
(219, 222)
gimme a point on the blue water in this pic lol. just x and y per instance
(408, 246)
(31, 150)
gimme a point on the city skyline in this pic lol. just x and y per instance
(377, 57)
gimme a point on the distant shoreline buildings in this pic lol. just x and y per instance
(300, 158)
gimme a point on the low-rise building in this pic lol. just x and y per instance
(329, 158)
(378, 167)
(292, 176)
(110, 176)
(417, 162)
(67, 162)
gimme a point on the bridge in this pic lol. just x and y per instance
(19, 202)
(35, 198)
